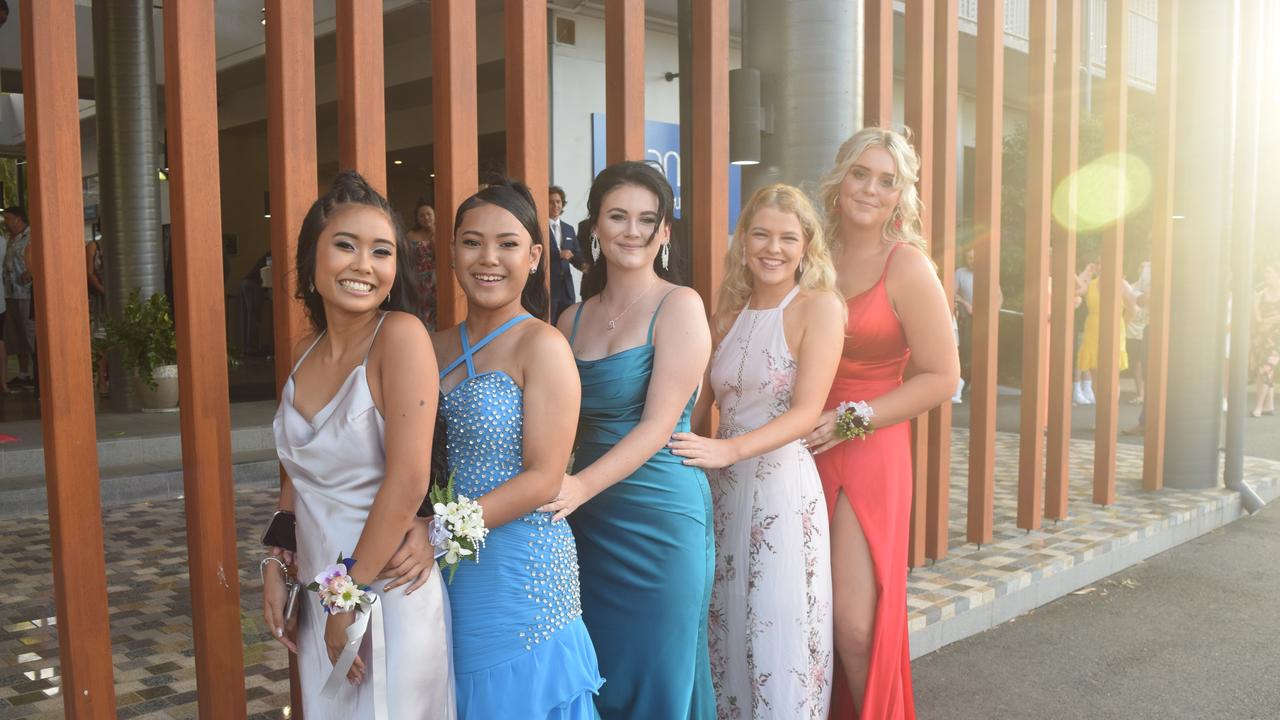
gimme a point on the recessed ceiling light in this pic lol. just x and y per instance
(398, 162)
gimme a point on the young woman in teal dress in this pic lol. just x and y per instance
(509, 400)
(642, 519)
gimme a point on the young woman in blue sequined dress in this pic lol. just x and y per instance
(510, 397)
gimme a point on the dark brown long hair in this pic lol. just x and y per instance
(641, 175)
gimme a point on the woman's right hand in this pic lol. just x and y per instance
(274, 598)
(823, 437)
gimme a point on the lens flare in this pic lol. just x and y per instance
(1107, 190)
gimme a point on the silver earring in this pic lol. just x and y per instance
(595, 247)
(800, 267)
(311, 287)
(533, 269)
(666, 255)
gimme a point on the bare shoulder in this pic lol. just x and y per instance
(680, 305)
(821, 303)
(538, 342)
(303, 343)
(402, 328)
(565, 323)
(910, 263)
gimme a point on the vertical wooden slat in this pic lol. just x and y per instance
(986, 313)
(1111, 254)
(1035, 336)
(291, 161)
(1157, 334)
(191, 115)
(527, 124)
(362, 128)
(946, 53)
(877, 92)
(1066, 143)
(453, 98)
(708, 210)
(918, 108)
(291, 169)
(66, 388)
(624, 80)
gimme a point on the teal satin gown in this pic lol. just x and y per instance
(646, 554)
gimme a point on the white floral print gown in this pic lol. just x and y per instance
(770, 619)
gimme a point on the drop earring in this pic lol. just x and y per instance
(311, 287)
(666, 255)
(595, 247)
(800, 267)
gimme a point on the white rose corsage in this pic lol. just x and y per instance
(338, 592)
(457, 529)
(853, 420)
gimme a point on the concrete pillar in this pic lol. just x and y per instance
(128, 134)
(808, 57)
(1204, 137)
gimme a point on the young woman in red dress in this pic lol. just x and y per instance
(898, 314)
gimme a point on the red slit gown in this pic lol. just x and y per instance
(875, 475)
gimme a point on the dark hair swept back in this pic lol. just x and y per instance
(514, 197)
(350, 188)
(639, 174)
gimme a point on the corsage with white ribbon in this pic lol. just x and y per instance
(853, 420)
(338, 592)
(457, 529)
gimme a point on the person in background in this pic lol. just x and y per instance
(565, 254)
(4, 356)
(251, 297)
(422, 241)
(20, 327)
(94, 267)
(1135, 332)
(1266, 340)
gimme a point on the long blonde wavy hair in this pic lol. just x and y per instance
(816, 271)
(904, 224)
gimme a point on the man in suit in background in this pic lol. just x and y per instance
(565, 253)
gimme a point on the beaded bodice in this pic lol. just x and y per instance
(530, 562)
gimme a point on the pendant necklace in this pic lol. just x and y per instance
(614, 322)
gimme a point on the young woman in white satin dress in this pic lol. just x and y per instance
(353, 432)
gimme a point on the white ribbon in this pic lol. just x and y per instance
(355, 634)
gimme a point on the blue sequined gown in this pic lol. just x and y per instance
(647, 554)
(520, 648)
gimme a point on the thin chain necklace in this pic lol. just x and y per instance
(613, 324)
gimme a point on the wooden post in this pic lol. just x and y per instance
(191, 112)
(942, 243)
(1035, 334)
(362, 121)
(527, 125)
(986, 310)
(708, 209)
(1157, 335)
(453, 98)
(291, 169)
(1066, 143)
(624, 80)
(66, 373)
(877, 77)
(1111, 255)
(919, 114)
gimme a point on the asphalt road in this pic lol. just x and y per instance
(1191, 633)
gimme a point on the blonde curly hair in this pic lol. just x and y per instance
(816, 271)
(904, 224)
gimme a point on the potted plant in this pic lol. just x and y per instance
(144, 334)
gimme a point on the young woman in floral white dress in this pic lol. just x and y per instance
(779, 329)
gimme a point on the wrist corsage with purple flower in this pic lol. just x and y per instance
(339, 593)
(457, 529)
(854, 420)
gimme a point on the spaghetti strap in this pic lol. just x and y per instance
(790, 296)
(469, 350)
(885, 273)
(373, 340)
(654, 320)
(576, 317)
(304, 355)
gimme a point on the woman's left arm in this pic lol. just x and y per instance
(552, 395)
(409, 389)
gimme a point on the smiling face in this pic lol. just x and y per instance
(869, 192)
(557, 205)
(773, 246)
(355, 260)
(628, 218)
(493, 256)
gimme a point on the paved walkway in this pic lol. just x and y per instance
(1188, 634)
